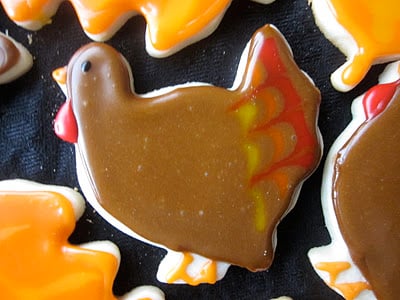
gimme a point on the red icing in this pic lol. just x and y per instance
(378, 97)
(304, 153)
(65, 125)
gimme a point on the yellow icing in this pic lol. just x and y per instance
(260, 216)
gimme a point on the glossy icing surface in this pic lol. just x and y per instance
(366, 189)
(199, 169)
(375, 26)
(36, 259)
(9, 54)
(171, 23)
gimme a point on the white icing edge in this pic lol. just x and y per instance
(173, 258)
(144, 292)
(22, 185)
(263, 1)
(23, 65)
(337, 250)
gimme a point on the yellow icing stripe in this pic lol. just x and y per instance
(253, 158)
(260, 215)
(247, 114)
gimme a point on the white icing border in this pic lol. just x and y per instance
(338, 250)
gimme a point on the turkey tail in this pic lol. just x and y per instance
(278, 109)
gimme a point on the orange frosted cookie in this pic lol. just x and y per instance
(171, 24)
(15, 59)
(367, 32)
(360, 198)
(203, 171)
(36, 259)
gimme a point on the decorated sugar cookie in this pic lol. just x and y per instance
(367, 32)
(36, 259)
(202, 171)
(15, 59)
(360, 198)
(171, 24)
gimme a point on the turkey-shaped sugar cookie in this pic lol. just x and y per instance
(367, 32)
(15, 59)
(36, 259)
(195, 168)
(171, 24)
(360, 198)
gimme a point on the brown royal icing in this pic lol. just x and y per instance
(9, 54)
(199, 169)
(366, 192)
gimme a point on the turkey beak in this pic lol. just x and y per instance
(60, 76)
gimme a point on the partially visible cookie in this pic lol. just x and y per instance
(15, 59)
(171, 25)
(36, 259)
(360, 198)
(367, 32)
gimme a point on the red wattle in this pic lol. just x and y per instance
(65, 125)
(378, 97)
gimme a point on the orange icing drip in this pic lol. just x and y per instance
(36, 260)
(207, 274)
(349, 290)
(375, 26)
(170, 22)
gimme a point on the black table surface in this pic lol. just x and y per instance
(29, 148)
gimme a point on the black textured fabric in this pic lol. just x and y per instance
(29, 148)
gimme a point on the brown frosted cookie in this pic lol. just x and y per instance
(205, 172)
(360, 193)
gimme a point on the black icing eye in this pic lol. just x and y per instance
(86, 65)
